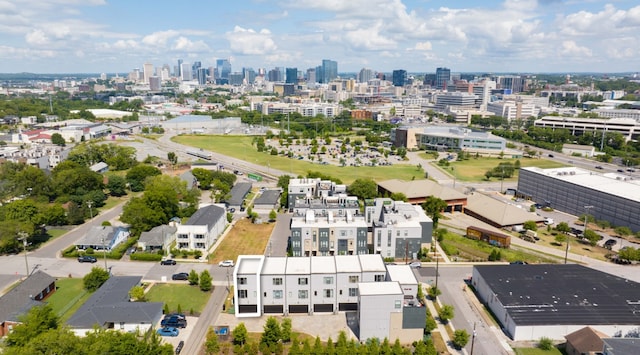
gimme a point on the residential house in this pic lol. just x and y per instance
(103, 238)
(158, 238)
(19, 300)
(202, 229)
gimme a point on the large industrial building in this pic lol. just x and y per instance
(546, 300)
(614, 197)
(448, 137)
(384, 296)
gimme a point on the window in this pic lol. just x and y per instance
(242, 293)
(277, 281)
(303, 294)
(354, 279)
(379, 237)
(121, 325)
(353, 292)
(242, 280)
(398, 304)
(389, 240)
(378, 278)
(277, 294)
(327, 292)
(199, 236)
(328, 280)
(303, 280)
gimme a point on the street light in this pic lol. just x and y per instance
(23, 237)
(502, 181)
(586, 213)
(435, 252)
(453, 172)
(90, 204)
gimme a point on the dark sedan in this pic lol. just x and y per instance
(180, 276)
(168, 262)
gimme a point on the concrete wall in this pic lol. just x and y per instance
(375, 315)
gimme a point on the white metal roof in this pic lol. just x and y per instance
(379, 288)
(371, 262)
(274, 265)
(347, 263)
(299, 266)
(402, 274)
(323, 265)
(617, 184)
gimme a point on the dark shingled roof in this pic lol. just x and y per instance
(268, 197)
(110, 304)
(238, 193)
(622, 346)
(207, 215)
(563, 294)
(18, 300)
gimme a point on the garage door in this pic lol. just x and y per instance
(323, 308)
(299, 308)
(348, 306)
(274, 309)
(248, 308)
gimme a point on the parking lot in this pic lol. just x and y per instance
(184, 332)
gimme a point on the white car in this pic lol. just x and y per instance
(226, 263)
(415, 265)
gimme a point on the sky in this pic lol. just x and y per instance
(525, 36)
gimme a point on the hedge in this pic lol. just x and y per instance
(146, 256)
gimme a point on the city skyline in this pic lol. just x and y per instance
(92, 36)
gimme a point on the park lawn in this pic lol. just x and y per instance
(188, 297)
(55, 233)
(240, 147)
(536, 351)
(245, 238)
(473, 170)
(70, 295)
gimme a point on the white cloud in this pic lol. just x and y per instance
(423, 46)
(186, 45)
(572, 49)
(249, 42)
(36, 37)
(160, 38)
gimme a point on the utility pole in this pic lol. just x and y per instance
(104, 252)
(435, 254)
(502, 181)
(473, 338)
(90, 204)
(22, 236)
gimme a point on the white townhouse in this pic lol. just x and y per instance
(202, 229)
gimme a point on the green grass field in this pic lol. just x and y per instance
(188, 297)
(240, 147)
(55, 233)
(68, 298)
(536, 351)
(473, 170)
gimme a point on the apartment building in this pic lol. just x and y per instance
(202, 229)
(384, 299)
(327, 234)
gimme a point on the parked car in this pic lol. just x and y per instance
(87, 259)
(415, 265)
(175, 315)
(610, 242)
(550, 155)
(518, 262)
(174, 321)
(168, 262)
(620, 170)
(180, 276)
(599, 167)
(179, 347)
(226, 263)
(168, 332)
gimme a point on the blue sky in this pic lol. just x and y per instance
(65, 36)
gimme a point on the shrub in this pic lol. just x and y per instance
(545, 343)
(460, 338)
(142, 256)
(89, 251)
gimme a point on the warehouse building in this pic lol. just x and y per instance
(545, 300)
(614, 197)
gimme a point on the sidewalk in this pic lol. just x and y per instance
(442, 328)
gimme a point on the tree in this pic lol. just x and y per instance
(592, 237)
(545, 343)
(560, 238)
(38, 320)
(137, 175)
(563, 227)
(363, 188)
(240, 334)
(57, 139)
(271, 333)
(117, 186)
(530, 225)
(460, 338)
(193, 278)
(285, 333)
(445, 313)
(137, 293)
(172, 157)
(623, 231)
(433, 206)
(211, 345)
(93, 280)
(205, 281)
(398, 196)
(273, 215)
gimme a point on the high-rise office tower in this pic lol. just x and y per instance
(399, 77)
(201, 74)
(312, 76)
(194, 68)
(185, 72)
(443, 75)
(155, 84)
(147, 71)
(224, 68)
(249, 75)
(329, 70)
(178, 73)
(365, 75)
(291, 76)
(275, 75)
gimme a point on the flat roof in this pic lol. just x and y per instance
(563, 294)
(402, 274)
(274, 265)
(323, 265)
(347, 263)
(421, 188)
(379, 288)
(299, 266)
(617, 184)
(249, 264)
(371, 262)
